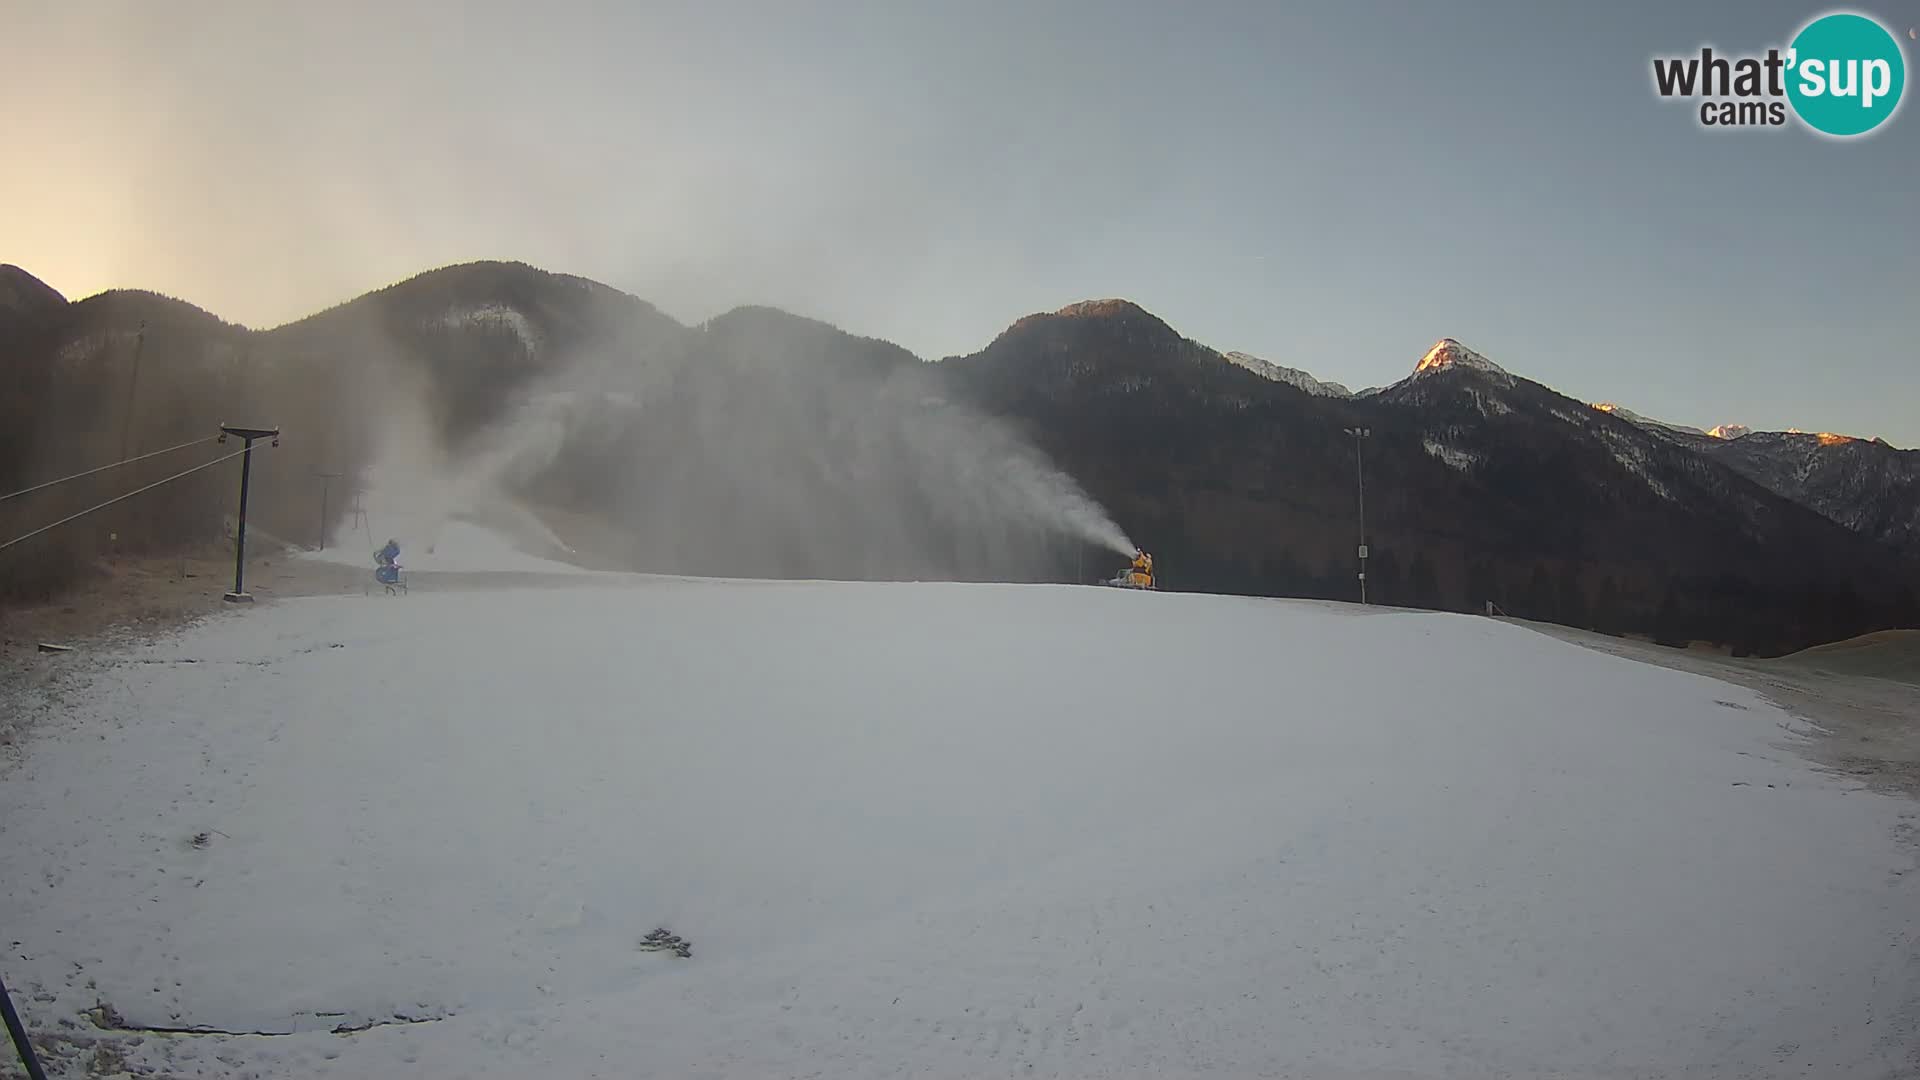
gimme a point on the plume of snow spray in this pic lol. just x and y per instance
(416, 487)
(982, 470)
(750, 460)
(1052, 499)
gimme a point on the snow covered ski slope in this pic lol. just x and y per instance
(940, 830)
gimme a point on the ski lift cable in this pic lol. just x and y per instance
(118, 498)
(104, 468)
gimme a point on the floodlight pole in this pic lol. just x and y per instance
(239, 594)
(1360, 479)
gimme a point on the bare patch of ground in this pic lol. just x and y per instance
(129, 599)
(1862, 694)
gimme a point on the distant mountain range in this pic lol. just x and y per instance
(766, 443)
(1866, 485)
(1481, 486)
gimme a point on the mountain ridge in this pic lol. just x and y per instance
(23, 294)
(1482, 485)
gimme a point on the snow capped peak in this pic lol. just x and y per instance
(1729, 431)
(1097, 308)
(1125, 315)
(1448, 353)
(1294, 377)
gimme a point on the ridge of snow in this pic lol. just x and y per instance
(1632, 417)
(494, 315)
(1448, 353)
(1488, 404)
(1633, 458)
(1453, 456)
(1112, 306)
(1822, 438)
(1729, 431)
(1294, 377)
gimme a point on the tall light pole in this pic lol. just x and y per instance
(1360, 477)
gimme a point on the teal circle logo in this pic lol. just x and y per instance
(1845, 74)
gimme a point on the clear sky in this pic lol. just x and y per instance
(1330, 186)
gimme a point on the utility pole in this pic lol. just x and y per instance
(1360, 476)
(19, 1033)
(239, 594)
(326, 481)
(133, 383)
(359, 511)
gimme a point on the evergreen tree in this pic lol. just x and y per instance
(1540, 602)
(1572, 598)
(1607, 616)
(1424, 589)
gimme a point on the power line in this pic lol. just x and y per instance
(104, 468)
(118, 498)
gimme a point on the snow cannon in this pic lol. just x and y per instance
(1137, 576)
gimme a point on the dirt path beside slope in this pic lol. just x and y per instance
(128, 599)
(1869, 724)
(133, 599)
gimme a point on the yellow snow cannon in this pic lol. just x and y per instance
(1137, 576)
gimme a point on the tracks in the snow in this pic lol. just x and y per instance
(107, 1018)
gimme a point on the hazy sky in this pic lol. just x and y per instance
(1331, 187)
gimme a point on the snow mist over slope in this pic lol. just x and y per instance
(787, 448)
(977, 469)
(937, 830)
(1047, 496)
(758, 444)
(417, 488)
